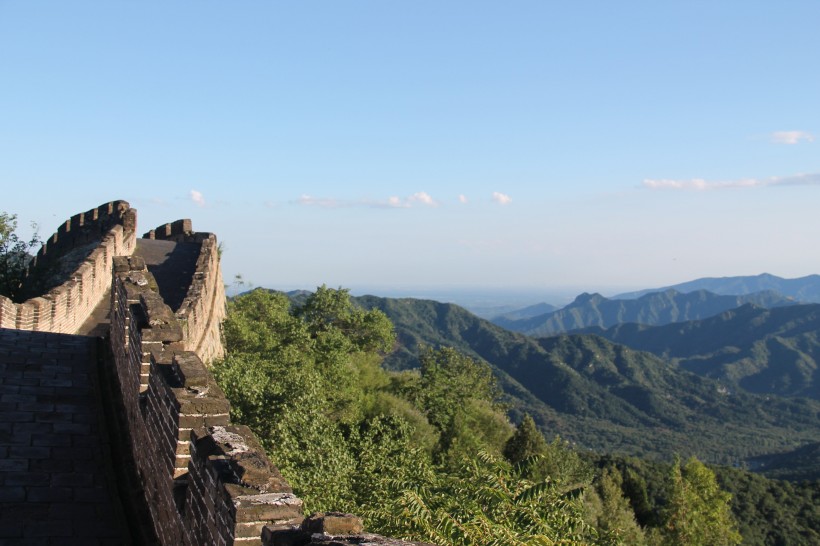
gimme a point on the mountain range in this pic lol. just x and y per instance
(655, 308)
(767, 351)
(805, 289)
(607, 396)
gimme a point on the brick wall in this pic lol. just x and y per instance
(205, 481)
(203, 309)
(65, 308)
(82, 229)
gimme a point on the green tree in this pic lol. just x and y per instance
(459, 396)
(485, 501)
(15, 256)
(331, 311)
(296, 378)
(610, 512)
(386, 453)
(526, 442)
(351, 436)
(698, 512)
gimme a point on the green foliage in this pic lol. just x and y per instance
(772, 511)
(610, 398)
(485, 501)
(459, 397)
(767, 351)
(698, 512)
(448, 380)
(15, 255)
(609, 511)
(768, 512)
(329, 311)
(297, 379)
(384, 448)
(350, 436)
(418, 452)
(526, 442)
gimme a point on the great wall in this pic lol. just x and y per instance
(112, 429)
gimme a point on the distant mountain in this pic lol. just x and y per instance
(606, 396)
(655, 308)
(767, 351)
(803, 289)
(522, 314)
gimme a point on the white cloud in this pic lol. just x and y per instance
(197, 198)
(392, 202)
(423, 198)
(310, 201)
(462, 199)
(501, 198)
(791, 137)
(700, 184)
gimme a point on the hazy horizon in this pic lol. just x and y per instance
(486, 301)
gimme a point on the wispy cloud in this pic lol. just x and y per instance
(310, 201)
(197, 198)
(791, 137)
(501, 198)
(394, 202)
(422, 198)
(700, 184)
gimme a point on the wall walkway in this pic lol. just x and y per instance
(55, 483)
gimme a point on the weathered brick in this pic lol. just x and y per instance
(49, 494)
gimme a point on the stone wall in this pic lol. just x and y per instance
(205, 481)
(203, 309)
(65, 308)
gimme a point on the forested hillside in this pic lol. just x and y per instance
(429, 454)
(669, 306)
(767, 351)
(768, 511)
(604, 396)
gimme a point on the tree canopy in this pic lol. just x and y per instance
(15, 256)
(427, 453)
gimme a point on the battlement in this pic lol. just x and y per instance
(64, 308)
(80, 230)
(208, 482)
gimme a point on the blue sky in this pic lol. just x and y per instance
(428, 144)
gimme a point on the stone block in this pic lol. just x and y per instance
(252, 506)
(192, 405)
(333, 523)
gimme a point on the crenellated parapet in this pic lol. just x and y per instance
(82, 229)
(179, 231)
(96, 236)
(205, 480)
(204, 307)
